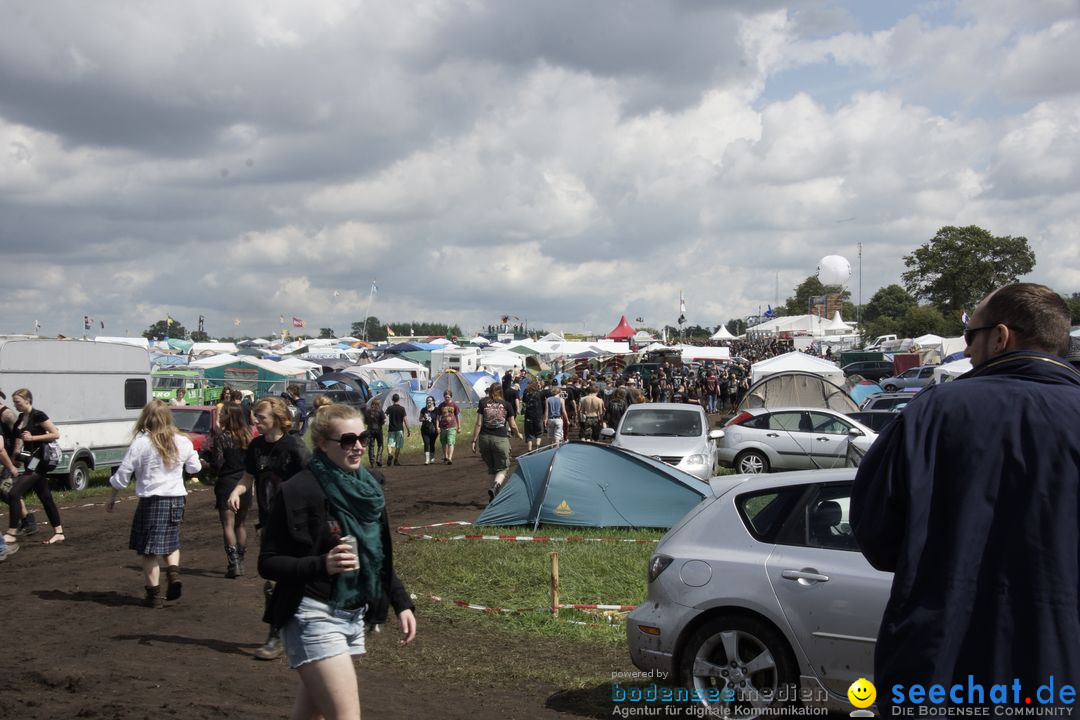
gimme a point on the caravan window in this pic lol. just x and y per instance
(134, 393)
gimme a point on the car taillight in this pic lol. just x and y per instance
(657, 565)
(739, 419)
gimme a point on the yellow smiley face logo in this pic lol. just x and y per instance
(862, 693)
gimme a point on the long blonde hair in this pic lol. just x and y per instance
(156, 420)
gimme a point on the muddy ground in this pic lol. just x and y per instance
(79, 645)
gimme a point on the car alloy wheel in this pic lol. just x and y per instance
(751, 462)
(740, 666)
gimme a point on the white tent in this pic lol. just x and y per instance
(137, 342)
(643, 336)
(293, 361)
(796, 361)
(552, 337)
(441, 341)
(390, 369)
(501, 361)
(951, 371)
(656, 346)
(929, 341)
(213, 361)
(796, 324)
(703, 353)
(202, 348)
(722, 334)
(837, 326)
(479, 340)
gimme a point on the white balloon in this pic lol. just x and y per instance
(833, 270)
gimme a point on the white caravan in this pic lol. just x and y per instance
(92, 391)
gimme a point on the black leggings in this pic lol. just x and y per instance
(429, 441)
(39, 482)
(375, 437)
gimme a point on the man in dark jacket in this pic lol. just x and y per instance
(970, 498)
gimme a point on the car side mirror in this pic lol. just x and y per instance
(607, 433)
(717, 434)
(855, 432)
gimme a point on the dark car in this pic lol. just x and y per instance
(876, 420)
(869, 369)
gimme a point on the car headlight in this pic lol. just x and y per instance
(697, 459)
(657, 565)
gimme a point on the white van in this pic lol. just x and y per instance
(92, 391)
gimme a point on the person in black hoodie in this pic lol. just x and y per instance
(328, 547)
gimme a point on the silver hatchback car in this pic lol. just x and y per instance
(675, 433)
(760, 597)
(759, 440)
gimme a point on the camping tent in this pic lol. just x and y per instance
(594, 485)
(951, 371)
(837, 326)
(798, 389)
(797, 362)
(622, 331)
(391, 369)
(722, 334)
(262, 377)
(405, 398)
(501, 361)
(467, 388)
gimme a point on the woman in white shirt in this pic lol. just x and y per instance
(157, 458)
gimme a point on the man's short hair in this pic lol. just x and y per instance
(395, 398)
(1035, 313)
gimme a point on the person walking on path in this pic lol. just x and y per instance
(334, 573)
(156, 460)
(428, 430)
(533, 403)
(554, 414)
(495, 422)
(271, 459)
(33, 432)
(592, 414)
(970, 499)
(228, 451)
(375, 418)
(449, 421)
(397, 428)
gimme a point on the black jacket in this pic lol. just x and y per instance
(290, 552)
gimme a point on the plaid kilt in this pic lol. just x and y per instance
(155, 529)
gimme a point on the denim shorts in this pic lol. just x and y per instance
(316, 632)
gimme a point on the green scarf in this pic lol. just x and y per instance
(357, 502)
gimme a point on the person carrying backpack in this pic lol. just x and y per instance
(616, 407)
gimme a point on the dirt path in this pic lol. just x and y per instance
(82, 646)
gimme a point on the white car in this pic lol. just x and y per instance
(675, 433)
(759, 440)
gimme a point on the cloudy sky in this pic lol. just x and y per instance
(556, 160)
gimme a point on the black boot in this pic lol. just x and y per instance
(28, 525)
(240, 551)
(233, 557)
(153, 598)
(175, 588)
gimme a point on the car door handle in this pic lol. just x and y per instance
(772, 434)
(823, 439)
(809, 575)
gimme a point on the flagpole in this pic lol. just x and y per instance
(367, 313)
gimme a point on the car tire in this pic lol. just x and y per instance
(78, 477)
(890, 388)
(751, 462)
(740, 665)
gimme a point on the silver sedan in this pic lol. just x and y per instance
(760, 597)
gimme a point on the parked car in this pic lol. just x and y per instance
(197, 422)
(916, 377)
(876, 420)
(869, 369)
(675, 433)
(892, 401)
(758, 440)
(761, 588)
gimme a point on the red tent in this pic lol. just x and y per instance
(622, 331)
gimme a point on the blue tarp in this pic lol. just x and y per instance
(594, 485)
(864, 390)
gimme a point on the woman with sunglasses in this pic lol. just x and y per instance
(328, 547)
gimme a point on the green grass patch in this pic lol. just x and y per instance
(513, 575)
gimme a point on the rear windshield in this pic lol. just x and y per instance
(192, 420)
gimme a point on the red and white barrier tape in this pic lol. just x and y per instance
(407, 531)
(609, 609)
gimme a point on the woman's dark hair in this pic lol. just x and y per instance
(232, 424)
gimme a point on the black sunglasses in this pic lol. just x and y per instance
(969, 333)
(348, 440)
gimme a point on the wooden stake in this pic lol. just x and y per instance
(555, 584)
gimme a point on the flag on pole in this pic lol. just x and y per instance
(297, 322)
(682, 304)
(102, 324)
(236, 322)
(281, 319)
(168, 320)
(86, 322)
(37, 326)
(769, 313)
(336, 293)
(964, 318)
(374, 288)
(390, 331)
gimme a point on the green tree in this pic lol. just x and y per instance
(200, 336)
(920, 320)
(375, 330)
(326, 333)
(1073, 302)
(164, 329)
(736, 326)
(809, 288)
(959, 266)
(891, 301)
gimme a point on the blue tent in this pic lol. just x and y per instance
(594, 485)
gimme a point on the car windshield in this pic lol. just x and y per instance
(192, 420)
(167, 383)
(662, 423)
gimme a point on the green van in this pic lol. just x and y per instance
(197, 389)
